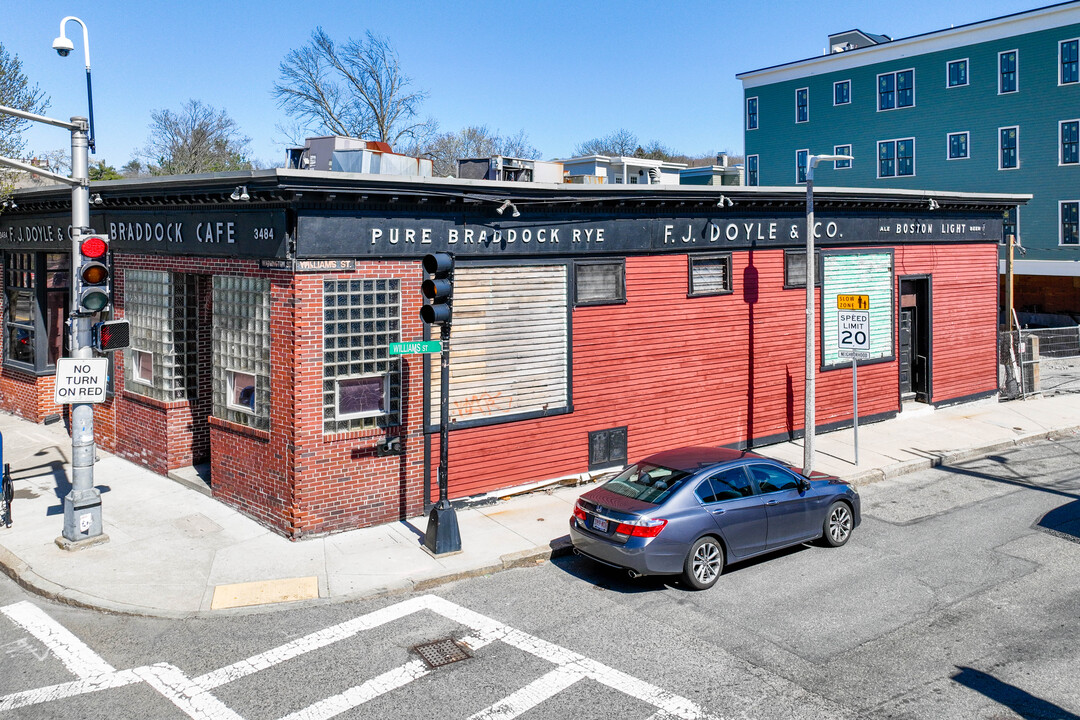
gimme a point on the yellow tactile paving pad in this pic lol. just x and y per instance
(264, 592)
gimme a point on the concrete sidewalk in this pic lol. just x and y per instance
(175, 552)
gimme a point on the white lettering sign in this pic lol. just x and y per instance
(81, 380)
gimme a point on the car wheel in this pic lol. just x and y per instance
(838, 524)
(703, 563)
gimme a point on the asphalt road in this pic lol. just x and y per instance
(959, 597)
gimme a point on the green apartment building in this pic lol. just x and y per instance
(993, 106)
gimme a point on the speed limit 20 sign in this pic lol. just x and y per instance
(854, 329)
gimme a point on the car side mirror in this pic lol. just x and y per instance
(804, 485)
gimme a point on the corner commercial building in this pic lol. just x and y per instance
(993, 106)
(593, 325)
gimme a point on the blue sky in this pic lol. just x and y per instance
(563, 72)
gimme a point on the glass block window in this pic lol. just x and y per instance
(361, 381)
(162, 308)
(242, 350)
(1007, 72)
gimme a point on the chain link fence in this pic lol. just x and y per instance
(1044, 361)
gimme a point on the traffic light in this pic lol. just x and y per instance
(111, 335)
(94, 277)
(439, 289)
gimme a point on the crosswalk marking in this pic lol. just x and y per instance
(194, 697)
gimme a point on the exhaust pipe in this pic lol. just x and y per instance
(634, 574)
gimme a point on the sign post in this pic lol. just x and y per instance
(853, 341)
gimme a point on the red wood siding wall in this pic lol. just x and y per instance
(724, 369)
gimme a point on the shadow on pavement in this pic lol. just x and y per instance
(1062, 521)
(1019, 701)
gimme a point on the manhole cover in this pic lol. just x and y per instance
(442, 652)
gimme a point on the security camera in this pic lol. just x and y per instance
(63, 46)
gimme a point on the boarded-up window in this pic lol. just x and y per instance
(599, 283)
(710, 274)
(509, 344)
(858, 274)
(795, 268)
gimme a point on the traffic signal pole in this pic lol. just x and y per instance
(82, 505)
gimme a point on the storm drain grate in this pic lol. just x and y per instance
(442, 652)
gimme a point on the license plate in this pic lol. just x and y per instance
(599, 524)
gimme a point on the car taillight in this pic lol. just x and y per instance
(579, 512)
(641, 528)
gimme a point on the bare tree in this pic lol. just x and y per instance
(17, 92)
(357, 90)
(198, 139)
(475, 141)
(621, 142)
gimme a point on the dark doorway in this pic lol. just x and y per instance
(915, 333)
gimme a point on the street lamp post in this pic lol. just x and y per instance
(808, 413)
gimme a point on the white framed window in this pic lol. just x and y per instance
(896, 158)
(752, 177)
(751, 113)
(241, 391)
(1069, 225)
(956, 73)
(362, 397)
(896, 90)
(842, 150)
(802, 105)
(956, 146)
(841, 91)
(1069, 145)
(1010, 225)
(1068, 61)
(142, 367)
(801, 157)
(1008, 72)
(1009, 147)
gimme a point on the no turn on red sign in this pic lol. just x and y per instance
(81, 380)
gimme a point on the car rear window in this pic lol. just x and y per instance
(647, 483)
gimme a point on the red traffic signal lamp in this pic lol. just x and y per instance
(439, 288)
(94, 275)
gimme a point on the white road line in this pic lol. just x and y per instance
(68, 689)
(312, 641)
(356, 696)
(70, 650)
(531, 695)
(194, 701)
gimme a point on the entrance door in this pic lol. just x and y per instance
(914, 342)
